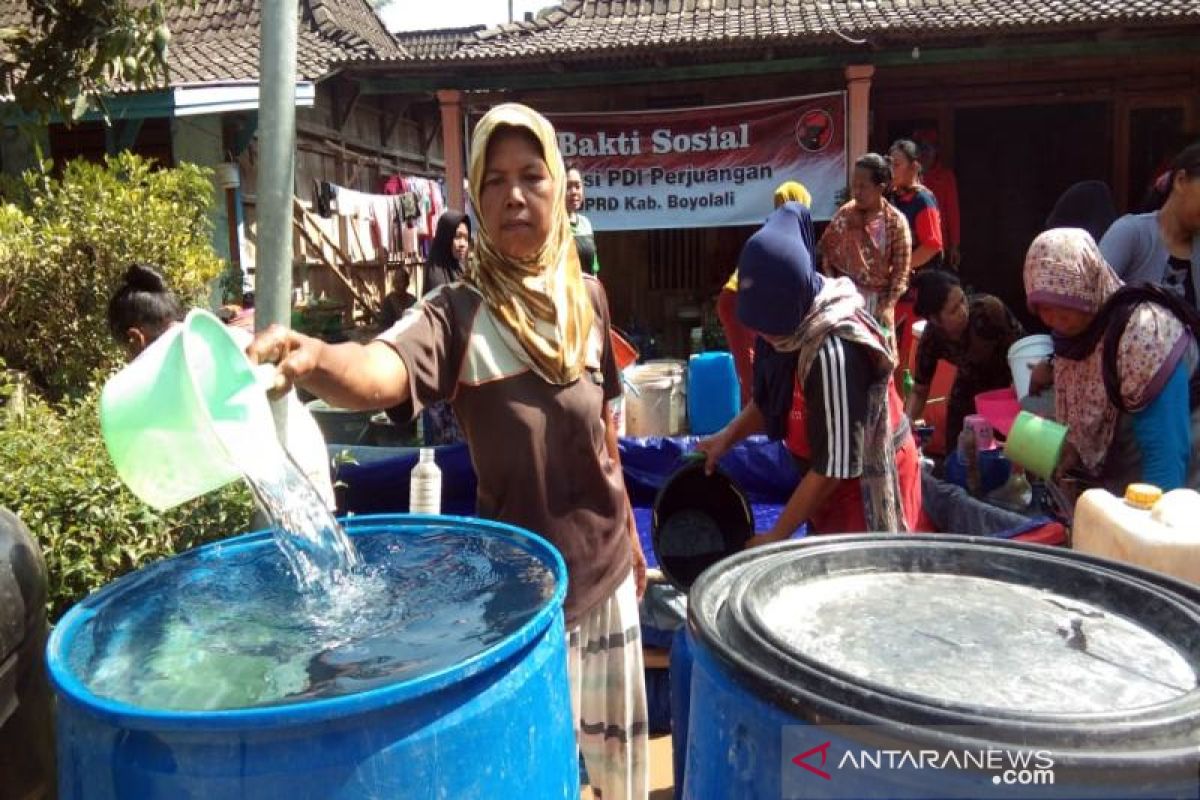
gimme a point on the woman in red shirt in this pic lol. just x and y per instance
(834, 403)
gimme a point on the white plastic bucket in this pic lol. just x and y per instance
(1023, 356)
(656, 404)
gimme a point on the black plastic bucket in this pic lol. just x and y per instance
(698, 520)
(818, 664)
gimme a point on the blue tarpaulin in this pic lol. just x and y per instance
(378, 482)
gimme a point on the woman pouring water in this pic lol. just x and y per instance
(1124, 367)
(520, 347)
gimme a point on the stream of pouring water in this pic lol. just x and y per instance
(319, 553)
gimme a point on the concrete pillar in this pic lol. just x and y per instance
(858, 112)
(452, 146)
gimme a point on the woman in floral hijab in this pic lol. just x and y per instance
(1125, 358)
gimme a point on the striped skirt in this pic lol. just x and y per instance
(608, 696)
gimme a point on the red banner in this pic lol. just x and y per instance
(709, 166)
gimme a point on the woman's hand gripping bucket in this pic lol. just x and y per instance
(172, 417)
(1036, 444)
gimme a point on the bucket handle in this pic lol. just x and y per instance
(264, 376)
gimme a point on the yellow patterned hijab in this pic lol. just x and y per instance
(542, 304)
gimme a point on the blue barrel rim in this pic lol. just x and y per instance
(759, 679)
(70, 688)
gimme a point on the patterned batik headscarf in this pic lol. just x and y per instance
(1064, 268)
(542, 304)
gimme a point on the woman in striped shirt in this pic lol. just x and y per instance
(841, 414)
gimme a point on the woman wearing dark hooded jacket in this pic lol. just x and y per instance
(834, 391)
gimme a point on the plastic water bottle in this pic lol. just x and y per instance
(425, 485)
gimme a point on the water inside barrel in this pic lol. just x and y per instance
(235, 632)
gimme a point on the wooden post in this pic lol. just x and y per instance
(235, 242)
(858, 112)
(452, 146)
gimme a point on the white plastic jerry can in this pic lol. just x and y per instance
(1145, 528)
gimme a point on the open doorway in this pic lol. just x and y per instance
(1013, 163)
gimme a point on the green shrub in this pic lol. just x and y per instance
(64, 245)
(60, 482)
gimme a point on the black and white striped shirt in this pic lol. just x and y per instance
(835, 399)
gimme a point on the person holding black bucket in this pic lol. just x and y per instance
(521, 348)
(833, 401)
(741, 341)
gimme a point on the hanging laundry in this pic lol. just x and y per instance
(377, 210)
(323, 198)
(393, 184)
(421, 201)
(408, 205)
(436, 207)
(409, 239)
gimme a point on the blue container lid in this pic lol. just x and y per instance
(712, 355)
(74, 690)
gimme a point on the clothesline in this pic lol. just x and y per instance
(401, 219)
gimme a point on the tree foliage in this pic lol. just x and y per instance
(59, 480)
(66, 242)
(73, 51)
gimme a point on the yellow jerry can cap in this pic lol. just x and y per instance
(1142, 495)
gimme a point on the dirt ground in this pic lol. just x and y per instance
(662, 778)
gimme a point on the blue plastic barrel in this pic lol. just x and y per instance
(681, 693)
(713, 395)
(496, 724)
(805, 684)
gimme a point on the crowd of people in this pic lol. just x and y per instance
(505, 342)
(1118, 296)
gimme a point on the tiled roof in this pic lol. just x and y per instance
(219, 40)
(437, 43)
(602, 27)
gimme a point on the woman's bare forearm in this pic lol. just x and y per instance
(358, 377)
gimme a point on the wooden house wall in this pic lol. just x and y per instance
(378, 137)
(1057, 121)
